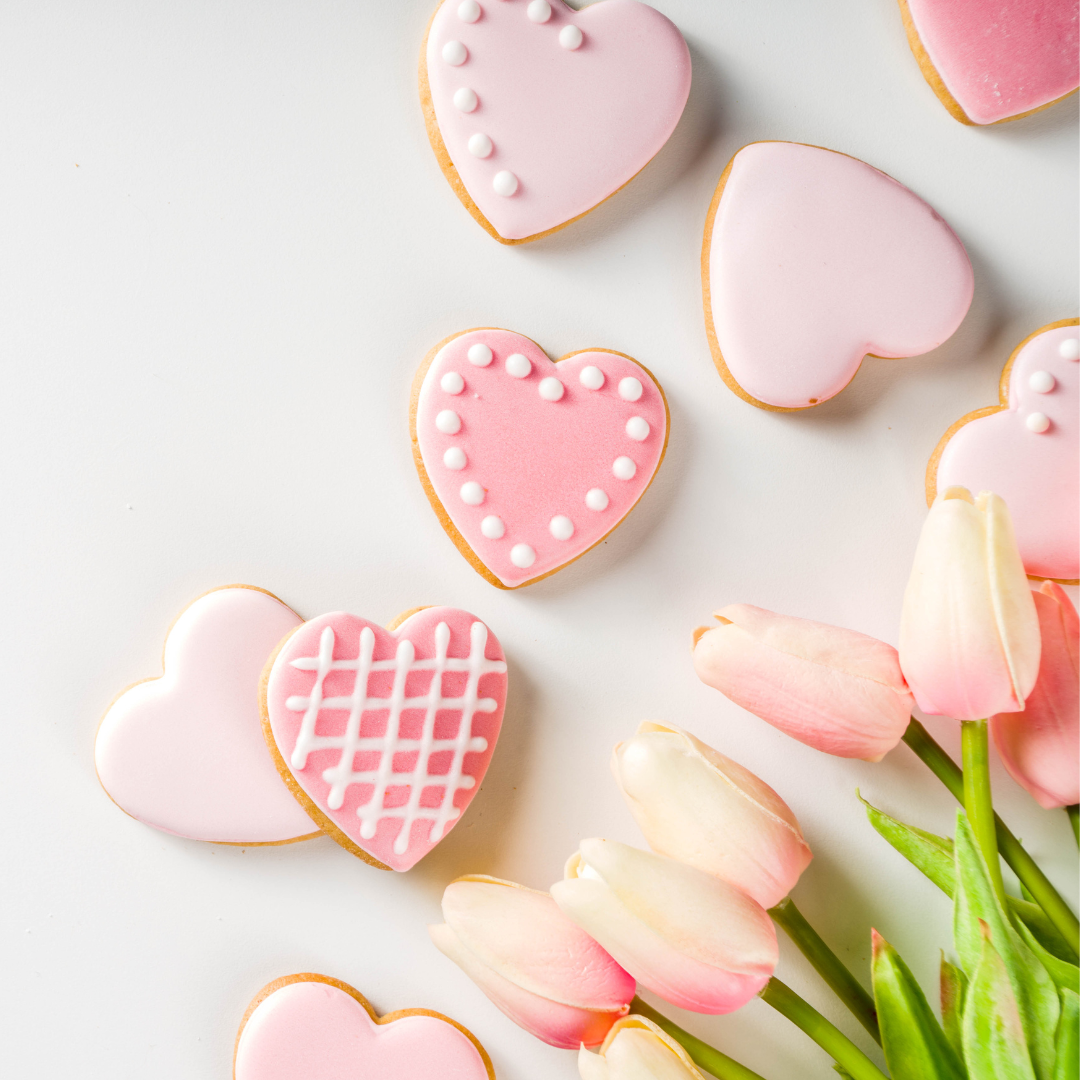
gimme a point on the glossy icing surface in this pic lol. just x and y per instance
(536, 457)
(185, 752)
(816, 259)
(388, 733)
(570, 117)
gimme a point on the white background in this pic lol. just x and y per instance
(225, 245)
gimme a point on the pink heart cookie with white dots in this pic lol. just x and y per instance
(1027, 450)
(537, 112)
(530, 463)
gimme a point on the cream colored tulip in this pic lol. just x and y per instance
(697, 806)
(636, 1049)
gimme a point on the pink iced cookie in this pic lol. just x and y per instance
(385, 735)
(185, 752)
(812, 260)
(538, 112)
(530, 463)
(990, 62)
(311, 1027)
(1027, 450)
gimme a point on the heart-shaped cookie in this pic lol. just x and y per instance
(312, 1027)
(529, 463)
(385, 735)
(1027, 450)
(185, 752)
(989, 63)
(812, 260)
(538, 112)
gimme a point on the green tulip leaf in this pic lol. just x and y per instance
(1067, 1065)
(953, 989)
(1042, 929)
(931, 854)
(1066, 976)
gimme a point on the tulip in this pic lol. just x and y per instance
(969, 634)
(636, 1049)
(701, 808)
(835, 690)
(531, 961)
(698, 942)
(1041, 745)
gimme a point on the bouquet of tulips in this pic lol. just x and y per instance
(694, 919)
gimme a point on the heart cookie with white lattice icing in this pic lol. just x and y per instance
(384, 735)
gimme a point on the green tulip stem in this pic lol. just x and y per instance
(827, 964)
(978, 800)
(830, 1038)
(704, 1055)
(1023, 865)
(1074, 820)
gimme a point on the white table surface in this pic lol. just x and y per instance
(225, 245)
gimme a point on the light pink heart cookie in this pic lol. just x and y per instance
(812, 260)
(530, 463)
(185, 752)
(538, 112)
(311, 1027)
(1027, 450)
(991, 62)
(385, 735)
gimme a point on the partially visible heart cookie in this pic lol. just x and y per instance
(385, 735)
(812, 260)
(1027, 450)
(312, 1027)
(184, 752)
(530, 463)
(537, 112)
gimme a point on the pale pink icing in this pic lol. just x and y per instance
(415, 765)
(185, 753)
(572, 125)
(536, 459)
(1037, 474)
(314, 1031)
(817, 259)
(1004, 58)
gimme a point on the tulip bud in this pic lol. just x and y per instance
(969, 635)
(694, 940)
(1041, 745)
(701, 808)
(636, 1049)
(531, 961)
(835, 690)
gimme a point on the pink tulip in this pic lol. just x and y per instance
(1041, 745)
(547, 975)
(835, 690)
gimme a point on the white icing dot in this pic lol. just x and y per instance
(595, 499)
(637, 427)
(1042, 382)
(505, 183)
(1038, 422)
(465, 100)
(517, 365)
(448, 422)
(480, 355)
(455, 458)
(480, 145)
(570, 38)
(1069, 349)
(551, 389)
(523, 556)
(472, 493)
(454, 53)
(592, 378)
(629, 388)
(452, 383)
(624, 468)
(561, 527)
(492, 527)
(468, 11)
(539, 11)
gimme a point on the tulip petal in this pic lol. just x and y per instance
(591, 1066)
(636, 1049)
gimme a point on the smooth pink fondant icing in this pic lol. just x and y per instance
(405, 746)
(572, 125)
(1036, 473)
(1004, 58)
(185, 753)
(817, 259)
(536, 459)
(314, 1031)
